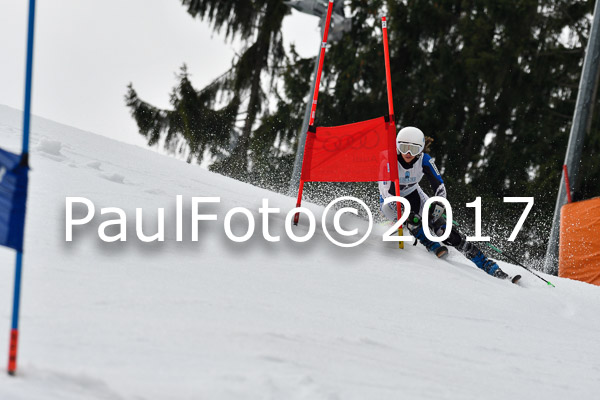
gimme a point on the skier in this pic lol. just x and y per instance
(413, 164)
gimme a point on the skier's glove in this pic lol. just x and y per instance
(436, 211)
(441, 191)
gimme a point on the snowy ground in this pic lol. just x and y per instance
(258, 320)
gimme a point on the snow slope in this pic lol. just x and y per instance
(258, 320)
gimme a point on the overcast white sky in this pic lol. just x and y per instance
(86, 52)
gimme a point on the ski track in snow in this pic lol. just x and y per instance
(259, 320)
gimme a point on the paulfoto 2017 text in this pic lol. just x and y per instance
(120, 220)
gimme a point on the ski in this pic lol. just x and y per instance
(504, 276)
(441, 252)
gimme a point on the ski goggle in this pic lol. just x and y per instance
(413, 149)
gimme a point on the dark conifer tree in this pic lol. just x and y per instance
(193, 125)
(257, 23)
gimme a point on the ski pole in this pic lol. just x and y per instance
(509, 257)
(517, 262)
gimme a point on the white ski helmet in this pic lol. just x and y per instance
(410, 140)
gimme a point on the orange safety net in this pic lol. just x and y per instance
(579, 249)
(360, 152)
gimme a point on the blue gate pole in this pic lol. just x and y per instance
(28, 78)
(14, 333)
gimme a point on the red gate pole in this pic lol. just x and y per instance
(388, 78)
(313, 108)
(388, 75)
